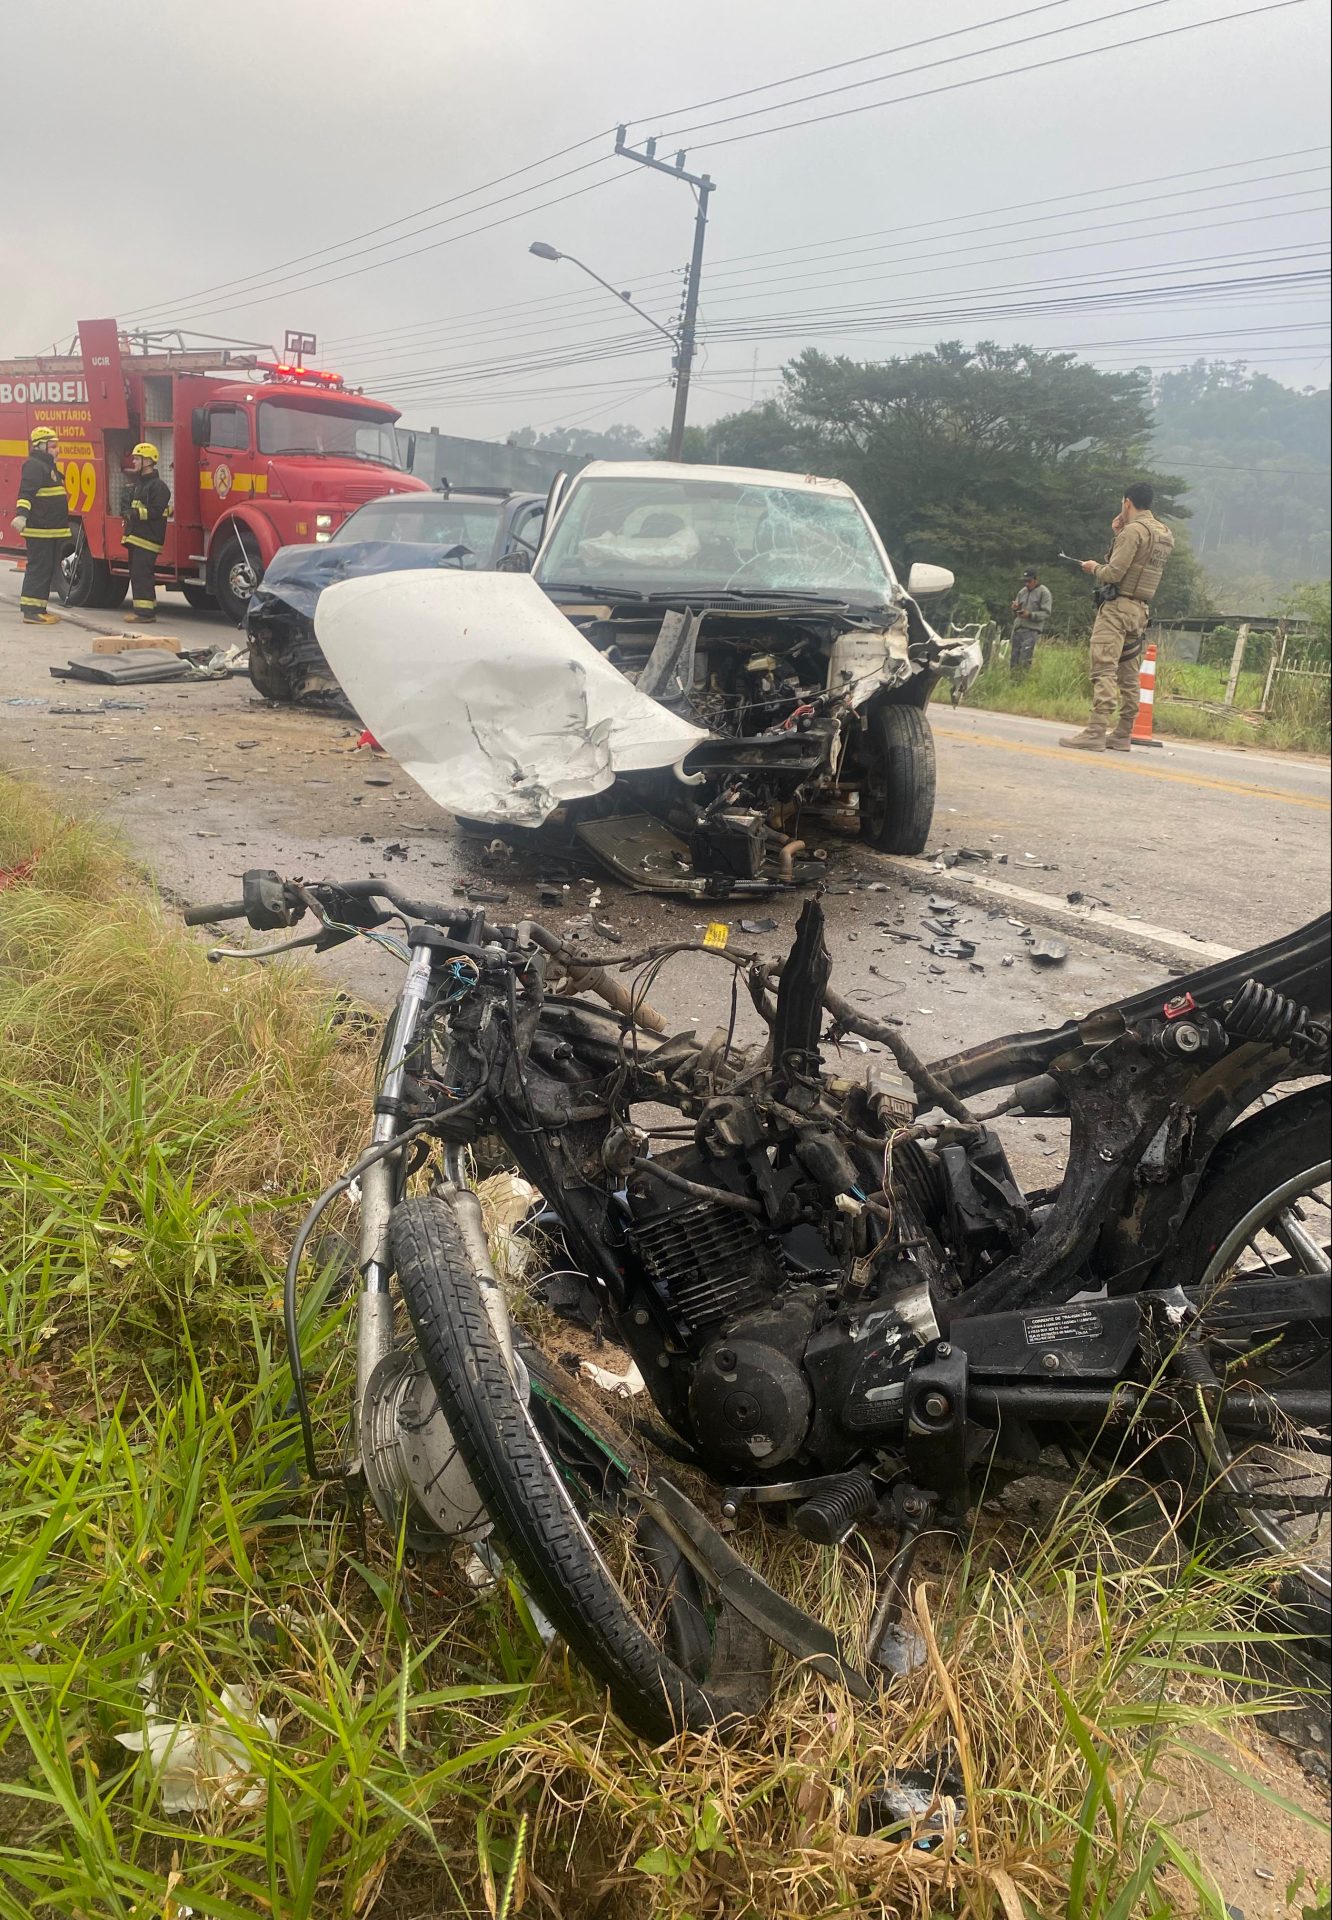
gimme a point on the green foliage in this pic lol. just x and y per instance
(1189, 699)
(618, 442)
(1255, 456)
(429, 1755)
(1312, 602)
(983, 459)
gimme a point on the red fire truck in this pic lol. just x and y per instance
(258, 455)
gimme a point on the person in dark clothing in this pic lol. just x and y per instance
(146, 513)
(43, 521)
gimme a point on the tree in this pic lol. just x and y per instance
(1256, 457)
(984, 459)
(620, 442)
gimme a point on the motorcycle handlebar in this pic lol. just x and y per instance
(217, 910)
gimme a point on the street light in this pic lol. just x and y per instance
(544, 251)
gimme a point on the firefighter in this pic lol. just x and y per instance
(146, 513)
(43, 521)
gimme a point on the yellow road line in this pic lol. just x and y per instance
(1122, 764)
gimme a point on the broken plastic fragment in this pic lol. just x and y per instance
(198, 1766)
(1048, 953)
(623, 1385)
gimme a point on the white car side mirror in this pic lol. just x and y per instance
(923, 578)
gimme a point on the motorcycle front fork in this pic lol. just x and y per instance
(379, 1192)
(379, 1195)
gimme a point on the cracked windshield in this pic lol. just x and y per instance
(662, 535)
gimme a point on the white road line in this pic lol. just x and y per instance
(1062, 913)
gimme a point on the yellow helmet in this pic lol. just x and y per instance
(40, 435)
(145, 451)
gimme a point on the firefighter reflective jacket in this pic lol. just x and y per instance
(146, 512)
(41, 496)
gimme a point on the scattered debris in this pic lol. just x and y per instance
(758, 926)
(623, 1385)
(196, 1767)
(395, 850)
(378, 780)
(1048, 953)
(125, 669)
(953, 949)
(486, 897)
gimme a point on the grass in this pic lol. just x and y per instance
(159, 1123)
(1058, 688)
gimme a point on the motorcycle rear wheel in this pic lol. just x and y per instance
(676, 1656)
(1264, 1208)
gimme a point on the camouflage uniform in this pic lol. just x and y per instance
(1137, 561)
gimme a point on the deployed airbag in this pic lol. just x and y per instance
(486, 695)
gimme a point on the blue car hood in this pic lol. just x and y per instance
(298, 575)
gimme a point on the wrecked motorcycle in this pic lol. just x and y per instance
(849, 1315)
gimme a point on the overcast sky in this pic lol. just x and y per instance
(173, 152)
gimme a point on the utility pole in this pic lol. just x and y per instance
(703, 187)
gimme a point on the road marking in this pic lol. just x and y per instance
(1049, 907)
(1122, 764)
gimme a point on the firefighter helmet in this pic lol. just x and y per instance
(40, 435)
(145, 451)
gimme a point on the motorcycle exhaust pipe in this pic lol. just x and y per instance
(1084, 1403)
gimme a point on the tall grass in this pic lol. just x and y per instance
(158, 1120)
(1058, 687)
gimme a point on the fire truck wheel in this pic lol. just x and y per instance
(234, 576)
(86, 582)
(200, 599)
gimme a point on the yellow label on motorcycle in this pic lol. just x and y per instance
(717, 935)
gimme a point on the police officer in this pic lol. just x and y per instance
(43, 520)
(1126, 583)
(1033, 607)
(146, 513)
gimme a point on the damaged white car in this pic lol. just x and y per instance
(768, 667)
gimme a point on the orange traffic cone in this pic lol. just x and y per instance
(1142, 725)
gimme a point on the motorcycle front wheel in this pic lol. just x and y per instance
(558, 1486)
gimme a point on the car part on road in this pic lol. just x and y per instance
(135, 666)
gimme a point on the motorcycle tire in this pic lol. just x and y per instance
(1286, 1142)
(897, 790)
(534, 1513)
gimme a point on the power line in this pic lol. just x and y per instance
(265, 274)
(334, 245)
(376, 335)
(280, 293)
(721, 287)
(1008, 73)
(722, 308)
(449, 240)
(926, 66)
(1118, 279)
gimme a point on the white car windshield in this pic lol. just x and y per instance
(672, 535)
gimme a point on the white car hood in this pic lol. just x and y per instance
(486, 695)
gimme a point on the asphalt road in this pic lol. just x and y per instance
(1217, 845)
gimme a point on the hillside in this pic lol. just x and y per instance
(1255, 456)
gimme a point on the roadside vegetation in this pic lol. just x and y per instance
(401, 1744)
(1189, 705)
